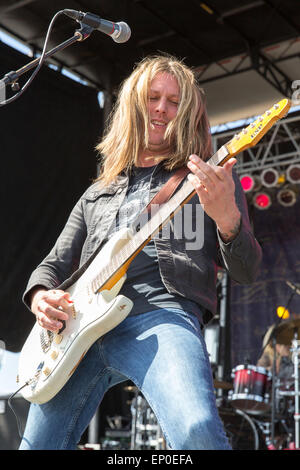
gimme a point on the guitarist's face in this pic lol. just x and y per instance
(163, 104)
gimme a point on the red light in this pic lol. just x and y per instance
(247, 183)
(262, 201)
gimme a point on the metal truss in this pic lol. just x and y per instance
(278, 149)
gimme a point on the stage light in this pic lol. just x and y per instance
(247, 182)
(293, 174)
(269, 177)
(286, 197)
(282, 312)
(262, 201)
(250, 183)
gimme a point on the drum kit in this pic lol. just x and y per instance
(259, 410)
(267, 405)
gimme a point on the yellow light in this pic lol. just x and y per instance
(283, 313)
(206, 8)
(281, 179)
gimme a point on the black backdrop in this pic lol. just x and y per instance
(48, 159)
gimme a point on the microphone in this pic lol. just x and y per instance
(119, 32)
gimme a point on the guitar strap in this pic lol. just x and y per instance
(163, 195)
(169, 187)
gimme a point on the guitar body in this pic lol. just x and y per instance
(48, 367)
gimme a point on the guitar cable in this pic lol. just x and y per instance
(20, 431)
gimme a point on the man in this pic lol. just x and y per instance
(159, 124)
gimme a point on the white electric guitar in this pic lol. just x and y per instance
(48, 359)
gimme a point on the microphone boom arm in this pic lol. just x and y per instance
(81, 34)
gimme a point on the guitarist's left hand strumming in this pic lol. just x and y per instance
(215, 188)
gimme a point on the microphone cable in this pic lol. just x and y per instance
(41, 62)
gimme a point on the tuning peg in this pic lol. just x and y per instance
(276, 106)
(245, 131)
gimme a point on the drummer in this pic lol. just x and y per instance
(284, 365)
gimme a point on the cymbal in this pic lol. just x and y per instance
(284, 332)
(222, 384)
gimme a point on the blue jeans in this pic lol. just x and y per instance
(163, 352)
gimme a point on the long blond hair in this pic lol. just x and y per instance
(127, 133)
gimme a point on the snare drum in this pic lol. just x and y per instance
(251, 389)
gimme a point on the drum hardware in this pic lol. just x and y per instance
(284, 334)
(251, 389)
(241, 430)
(284, 436)
(145, 430)
(296, 351)
(279, 333)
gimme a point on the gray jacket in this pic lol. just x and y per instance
(184, 270)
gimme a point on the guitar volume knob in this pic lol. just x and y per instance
(54, 355)
(47, 371)
(58, 339)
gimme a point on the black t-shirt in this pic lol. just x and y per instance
(143, 284)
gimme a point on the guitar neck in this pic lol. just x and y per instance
(248, 137)
(159, 218)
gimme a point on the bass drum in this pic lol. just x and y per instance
(241, 430)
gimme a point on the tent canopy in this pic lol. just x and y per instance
(247, 53)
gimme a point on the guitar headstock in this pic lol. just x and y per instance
(249, 136)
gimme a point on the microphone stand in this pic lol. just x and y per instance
(11, 78)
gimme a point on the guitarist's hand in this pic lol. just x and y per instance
(49, 307)
(216, 191)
